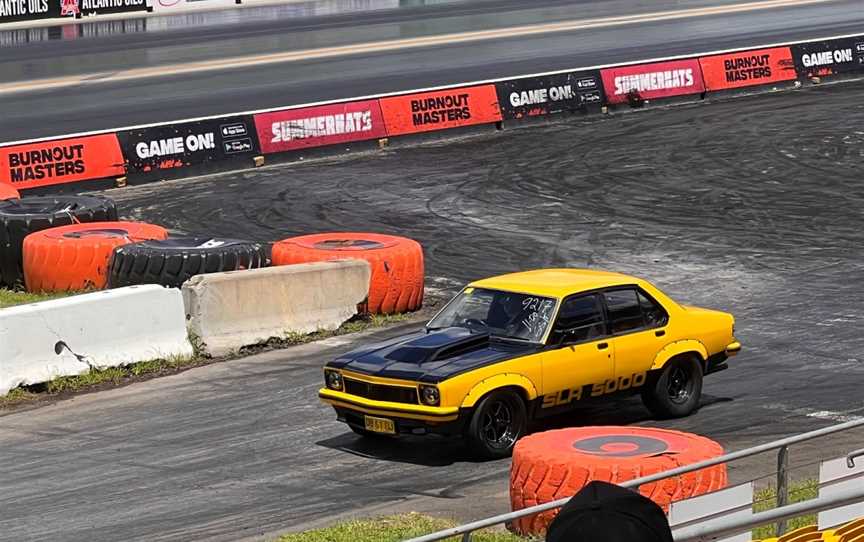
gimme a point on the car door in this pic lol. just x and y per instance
(580, 354)
(637, 329)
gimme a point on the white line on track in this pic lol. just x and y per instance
(426, 89)
(391, 45)
(829, 415)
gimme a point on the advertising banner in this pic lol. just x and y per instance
(549, 94)
(99, 7)
(748, 68)
(174, 146)
(428, 111)
(650, 81)
(28, 10)
(189, 5)
(62, 161)
(309, 127)
(831, 57)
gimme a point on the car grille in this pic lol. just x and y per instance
(381, 392)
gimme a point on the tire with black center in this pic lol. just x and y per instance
(499, 420)
(677, 390)
(173, 261)
(21, 217)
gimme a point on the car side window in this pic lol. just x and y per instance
(654, 314)
(580, 319)
(625, 312)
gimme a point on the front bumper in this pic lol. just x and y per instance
(408, 419)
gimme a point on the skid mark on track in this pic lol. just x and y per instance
(829, 415)
(701, 200)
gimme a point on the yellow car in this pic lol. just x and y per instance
(513, 348)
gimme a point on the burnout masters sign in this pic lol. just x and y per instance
(650, 81)
(748, 68)
(61, 161)
(428, 111)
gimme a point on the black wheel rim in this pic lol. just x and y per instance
(680, 386)
(497, 427)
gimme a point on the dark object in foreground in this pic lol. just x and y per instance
(603, 511)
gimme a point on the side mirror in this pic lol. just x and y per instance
(566, 338)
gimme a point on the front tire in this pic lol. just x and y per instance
(499, 420)
(677, 391)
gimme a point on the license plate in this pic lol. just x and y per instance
(380, 425)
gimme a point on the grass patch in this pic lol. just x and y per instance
(358, 323)
(96, 379)
(391, 529)
(403, 526)
(10, 298)
(766, 499)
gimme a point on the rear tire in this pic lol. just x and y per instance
(676, 392)
(499, 420)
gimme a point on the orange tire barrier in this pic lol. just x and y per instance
(7, 192)
(556, 464)
(397, 264)
(76, 257)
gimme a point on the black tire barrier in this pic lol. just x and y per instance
(19, 218)
(177, 259)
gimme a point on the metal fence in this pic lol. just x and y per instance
(722, 527)
(780, 514)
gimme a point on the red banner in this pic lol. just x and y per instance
(61, 161)
(649, 81)
(430, 111)
(316, 126)
(748, 68)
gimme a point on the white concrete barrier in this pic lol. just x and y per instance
(226, 311)
(64, 337)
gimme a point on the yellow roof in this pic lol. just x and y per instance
(555, 282)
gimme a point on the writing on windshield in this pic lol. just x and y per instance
(504, 314)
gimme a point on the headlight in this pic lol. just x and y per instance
(430, 395)
(333, 379)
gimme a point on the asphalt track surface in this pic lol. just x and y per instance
(97, 102)
(751, 205)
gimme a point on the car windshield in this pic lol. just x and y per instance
(502, 314)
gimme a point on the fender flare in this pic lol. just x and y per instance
(677, 348)
(496, 382)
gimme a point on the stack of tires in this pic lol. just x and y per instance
(78, 243)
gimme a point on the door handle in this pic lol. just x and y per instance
(602, 346)
(660, 332)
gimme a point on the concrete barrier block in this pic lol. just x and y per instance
(226, 311)
(64, 337)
